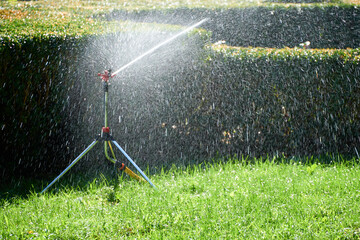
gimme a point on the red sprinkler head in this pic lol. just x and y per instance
(106, 130)
(105, 76)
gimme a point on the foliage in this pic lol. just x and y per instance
(32, 93)
(239, 101)
(234, 200)
(252, 101)
(296, 101)
(21, 30)
(311, 55)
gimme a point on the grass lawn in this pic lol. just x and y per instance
(232, 200)
(76, 17)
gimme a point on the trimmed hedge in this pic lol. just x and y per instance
(33, 90)
(325, 26)
(251, 101)
(290, 101)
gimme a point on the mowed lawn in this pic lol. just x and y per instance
(233, 200)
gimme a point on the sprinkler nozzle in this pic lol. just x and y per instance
(105, 76)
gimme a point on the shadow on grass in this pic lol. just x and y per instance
(23, 188)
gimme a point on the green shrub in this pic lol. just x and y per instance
(252, 101)
(291, 101)
(32, 93)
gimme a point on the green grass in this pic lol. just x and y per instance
(89, 7)
(19, 19)
(230, 200)
(315, 55)
(76, 17)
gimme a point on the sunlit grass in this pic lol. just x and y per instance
(88, 8)
(77, 17)
(344, 55)
(54, 18)
(230, 200)
(96, 5)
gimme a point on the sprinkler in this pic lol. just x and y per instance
(105, 135)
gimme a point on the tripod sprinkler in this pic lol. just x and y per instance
(105, 135)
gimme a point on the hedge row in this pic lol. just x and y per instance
(291, 101)
(251, 101)
(167, 109)
(325, 26)
(33, 89)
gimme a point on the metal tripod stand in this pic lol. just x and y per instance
(106, 137)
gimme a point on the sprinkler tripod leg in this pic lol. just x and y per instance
(133, 163)
(72, 164)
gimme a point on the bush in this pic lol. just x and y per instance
(175, 108)
(32, 98)
(290, 101)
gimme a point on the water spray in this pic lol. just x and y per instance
(159, 46)
(105, 135)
